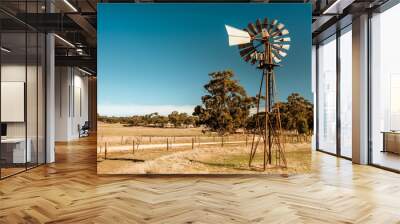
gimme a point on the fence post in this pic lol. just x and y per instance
(133, 146)
(105, 150)
(246, 140)
(222, 141)
(167, 144)
(192, 143)
(199, 141)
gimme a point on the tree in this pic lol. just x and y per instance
(226, 105)
(297, 114)
(174, 118)
(302, 126)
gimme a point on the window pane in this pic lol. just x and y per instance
(327, 96)
(385, 84)
(346, 94)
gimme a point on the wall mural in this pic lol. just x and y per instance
(204, 89)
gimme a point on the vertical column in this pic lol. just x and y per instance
(92, 103)
(360, 90)
(314, 91)
(338, 99)
(50, 92)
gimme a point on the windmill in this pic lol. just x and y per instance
(264, 44)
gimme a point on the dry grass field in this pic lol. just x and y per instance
(147, 150)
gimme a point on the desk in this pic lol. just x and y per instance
(15, 148)
(391, 141)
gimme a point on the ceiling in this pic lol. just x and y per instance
(75, 21)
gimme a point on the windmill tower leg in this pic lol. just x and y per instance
(258, 132)
(270, 103)
(266, 109)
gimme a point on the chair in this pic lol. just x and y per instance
(84, 130)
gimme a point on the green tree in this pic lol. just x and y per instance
(297, 114)
(226, 105)
(174, 118)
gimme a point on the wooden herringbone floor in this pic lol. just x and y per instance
(70, 191)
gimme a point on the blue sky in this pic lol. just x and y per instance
(157, 57)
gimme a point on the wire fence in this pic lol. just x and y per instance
(110, 144)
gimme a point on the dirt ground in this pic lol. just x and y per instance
(188, 152)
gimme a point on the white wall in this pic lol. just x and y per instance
(71, 102)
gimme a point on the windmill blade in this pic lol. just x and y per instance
(253, 61)
(278, 47)
(278, 29)
(284, 39)
(282, 46)
(276, 55)
(282, 43)
(237, 36)
(277, 37)
(284, 32)
(259, 26)
(252, 29)
(250, 33)
(247, 58)
(280, 26)
(276, 58)
(243, 46)
(281, 54)
(272, 26)
(247, 51)
(265, 24)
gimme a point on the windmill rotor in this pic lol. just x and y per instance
(253, 39)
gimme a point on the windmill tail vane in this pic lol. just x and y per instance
(265, 44)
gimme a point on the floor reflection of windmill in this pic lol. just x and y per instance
(264, 44)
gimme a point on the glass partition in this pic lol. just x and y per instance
(327, 95)
(14, 153)
(23, 91)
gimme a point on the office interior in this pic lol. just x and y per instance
(44, 88)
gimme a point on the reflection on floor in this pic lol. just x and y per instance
(11, 169)
(70, 191)
(387, 159)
